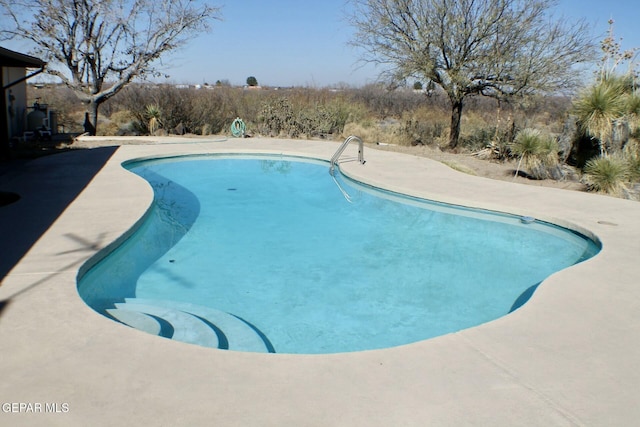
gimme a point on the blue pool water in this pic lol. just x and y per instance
(272, 254)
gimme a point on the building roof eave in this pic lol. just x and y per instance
(10, 58)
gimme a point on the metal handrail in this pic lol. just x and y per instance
(342, 147)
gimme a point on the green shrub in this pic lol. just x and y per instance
(607, 174)
(599, 106)
(119, 123)
(154, 117)
(632, 157)
(277, 117)
(426, 126)
(537, 151)
(477, 138)
(304, 117)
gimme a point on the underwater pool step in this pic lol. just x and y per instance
(142, 322)
(187, 327)
(239, 334)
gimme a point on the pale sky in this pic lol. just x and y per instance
(305, 43)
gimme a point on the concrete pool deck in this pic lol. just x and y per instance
(570, 356)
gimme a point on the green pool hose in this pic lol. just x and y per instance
(238, 128)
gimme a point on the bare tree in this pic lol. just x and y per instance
(496, 48)
(97, 47)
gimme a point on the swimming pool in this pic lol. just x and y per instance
(272, 254)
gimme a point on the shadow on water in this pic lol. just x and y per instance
(40, 190)
(174, 211)
(590, 251)
(523, 298)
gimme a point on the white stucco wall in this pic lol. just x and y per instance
(16, 100)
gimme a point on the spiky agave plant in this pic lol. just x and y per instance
(607, 174)
(537, 151)
(153, 114)
(548, 157)
(599, 106)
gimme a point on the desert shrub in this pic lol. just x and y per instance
(341, 112)
(548, 165)
(134, 98)
(295, 115)
(538, 153)
(322, 112)
(373, 133)
(633, 167)
(476, 139)
(487, 132)
(631, 155)
(547, 113)
(212, 111)
(607, 174)
(425, 126)
(314, 121)
(480, 127)
(383, 102)
(119, 123)
(400, 116)
(488, 141)
(183, 110)
(634, 131)
(176, 106)
(277, 117)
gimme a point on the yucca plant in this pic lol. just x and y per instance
(633, 104)
(607, 174)
(600, 105)
(633, 109)
(632, 158)
(153, 114)
(538, 152)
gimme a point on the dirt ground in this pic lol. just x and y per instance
(473, 165)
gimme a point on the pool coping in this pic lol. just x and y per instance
(567, 357)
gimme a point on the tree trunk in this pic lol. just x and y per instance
(456, 116)
(91, 118)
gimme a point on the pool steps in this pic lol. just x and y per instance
(192, 323)
(136, 320)
(187, 328)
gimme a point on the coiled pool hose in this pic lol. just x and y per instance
(238, 128)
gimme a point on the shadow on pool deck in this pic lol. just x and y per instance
(46, 187)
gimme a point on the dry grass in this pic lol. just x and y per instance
(375, 133)
(460, 168)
